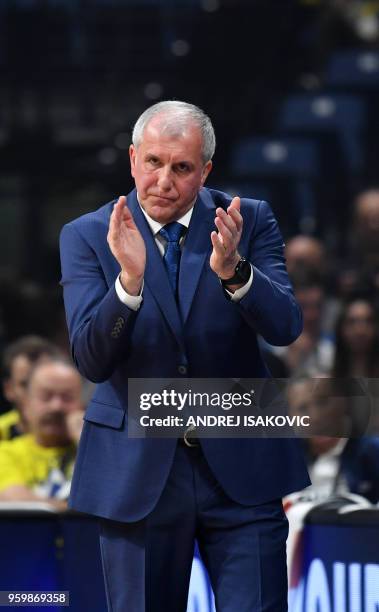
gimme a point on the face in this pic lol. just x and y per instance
(298, 393)
(15, 385)
(368, 218)
(329, 417)
(304, 252)
(54, 392)
(314, 398)
(311, 302)
(358, 328)
(168, 171)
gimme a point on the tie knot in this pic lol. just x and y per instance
(172, 232)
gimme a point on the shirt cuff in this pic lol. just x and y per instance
(241, 292)
(131, 301)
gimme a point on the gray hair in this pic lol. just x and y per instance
(176, 116)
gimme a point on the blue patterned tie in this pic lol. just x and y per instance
(172, 232)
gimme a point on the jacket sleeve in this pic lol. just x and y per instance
(270, 306)
(99, 323)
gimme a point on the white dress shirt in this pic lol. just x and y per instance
(134, 301)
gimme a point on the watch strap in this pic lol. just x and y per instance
(238, 276)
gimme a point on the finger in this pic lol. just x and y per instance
(113, 225)
(235, 203)
(121, 201)
(227, 245)
(118, 208)
(120, 204)
(237, 217)
(122, 215)
(116, 216)
(113, 233)
(217, 244)
(128, 218)
(234, 208)
(227, 220)
(115, 221)
(227, 236)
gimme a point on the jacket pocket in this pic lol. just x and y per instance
(104, 414)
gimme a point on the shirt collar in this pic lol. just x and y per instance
(155, 226)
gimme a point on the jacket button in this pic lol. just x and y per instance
(182, 369)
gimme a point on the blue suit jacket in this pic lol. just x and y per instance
(207, 336)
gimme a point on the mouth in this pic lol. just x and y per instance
(163, 198)
(57, 421)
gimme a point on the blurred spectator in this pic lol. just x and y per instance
(313, 350)
(360, 270)
(38, 466)
(337, 463)
(18, 360)
(357, 340)
(305, 252)
(367, 225)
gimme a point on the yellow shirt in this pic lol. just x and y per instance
(8, 421)
(46, 471)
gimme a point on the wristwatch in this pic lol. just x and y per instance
(241, 274)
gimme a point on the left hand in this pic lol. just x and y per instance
(225, 242)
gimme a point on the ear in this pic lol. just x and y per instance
(206, 170)
(132, 157)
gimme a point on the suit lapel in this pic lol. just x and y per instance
(197, 247)
(155, 273)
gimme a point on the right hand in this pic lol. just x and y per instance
(127, 246)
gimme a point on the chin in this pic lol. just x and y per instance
(56, 437)
(161, 210)
(56, 441)
(161, 215)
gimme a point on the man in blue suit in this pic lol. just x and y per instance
(176, 280)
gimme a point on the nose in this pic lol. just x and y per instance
(165, 179)
(56, 403)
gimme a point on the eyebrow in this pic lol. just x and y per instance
(175, 163)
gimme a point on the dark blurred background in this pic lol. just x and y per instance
(291, 85)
